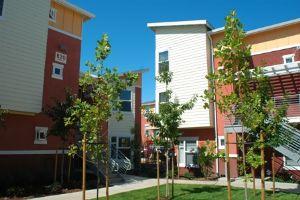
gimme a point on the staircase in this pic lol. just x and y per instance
(117, 167)
(291, 138)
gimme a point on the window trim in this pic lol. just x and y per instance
(37, 139)
(184, 139)
(284, 57)
(131, 97)
(55, 11)
(168, 60)
(57, 66)
(289, 167)
(220, 146)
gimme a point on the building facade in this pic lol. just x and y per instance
(185, 48)
(188, 49)
(39, 60)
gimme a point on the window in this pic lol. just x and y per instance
(125, 98)
(290, 164)
(163, 97)
(188, 152)
(52, 14)
(1, 7)
(288, 58)
(221, 142)
(40, 135)
(57, 71)
(124, 146)
(147, 133)
(163, 61)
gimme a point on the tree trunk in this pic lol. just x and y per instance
(167, 174)
(244, 166)
(157, 165)
(172, 174)
(228, 168)
(253, 178)
(107, 171)
(55, 167)
(273, 173)
(62, 164)
(262, 172)
(83, 166)
(69, 169)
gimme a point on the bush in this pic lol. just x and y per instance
(54, 188)
(188, 175)
(15, 191)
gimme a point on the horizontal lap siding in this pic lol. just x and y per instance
(23, 36)
(187, 48)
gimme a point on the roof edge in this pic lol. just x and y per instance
(262, 29)
(85, 13)
(179, 23)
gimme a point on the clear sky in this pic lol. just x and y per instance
(125, 21)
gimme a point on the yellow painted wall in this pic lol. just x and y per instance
(67, 19)
(268, 40)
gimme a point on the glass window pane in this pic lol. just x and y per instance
(124, 142)
(164, 66)
(1, 6)
(162, 97)
(113, 139)
(126, 106)
(190, 158)
(191, 146)
(163, 56)
(181, 154)
(113, 151)
(57, 71)
(125, 95)
(289, 60)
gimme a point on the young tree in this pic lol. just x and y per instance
(169, 117)
(101, 87)
(58, 113)
(250, 99)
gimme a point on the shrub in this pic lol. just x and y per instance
(188, 175)
(15, 191)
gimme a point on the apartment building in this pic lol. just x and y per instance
(188, 48)
(185, 47)
(276, 48)
(40, 44)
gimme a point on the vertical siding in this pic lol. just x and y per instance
(187, 46)
(23, 37)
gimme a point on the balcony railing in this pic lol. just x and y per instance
(293, 110)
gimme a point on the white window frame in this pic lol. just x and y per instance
(168, 60)
(289, 167)
(58, 66)
(184, 139)
(54, 11)
(37, 139)
(131, 97)
(284, 57)
(220, 146)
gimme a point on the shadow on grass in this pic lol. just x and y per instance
(198, 190)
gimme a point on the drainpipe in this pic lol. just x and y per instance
(215, 108)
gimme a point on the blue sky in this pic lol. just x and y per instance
(125, 21)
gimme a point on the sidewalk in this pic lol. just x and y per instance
(135, 183)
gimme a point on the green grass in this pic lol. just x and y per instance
(199, 192)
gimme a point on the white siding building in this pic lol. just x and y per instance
(185, 45)
(23, 39)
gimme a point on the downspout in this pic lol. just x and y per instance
(215, 108)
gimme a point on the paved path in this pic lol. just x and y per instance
(134, 183)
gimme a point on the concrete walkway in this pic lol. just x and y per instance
(135, 183)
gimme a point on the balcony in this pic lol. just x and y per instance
(233, 124)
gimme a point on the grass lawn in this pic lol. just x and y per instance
(190, 192)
